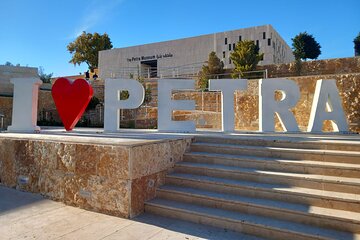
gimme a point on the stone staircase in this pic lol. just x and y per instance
(276, 189)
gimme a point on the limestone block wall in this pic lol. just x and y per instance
(203, 119)
(98, 87)
(6, 109)
(246, 105)
(46, 107)
(207, 114)
(208, 104)
(317, 67)
(114, 179)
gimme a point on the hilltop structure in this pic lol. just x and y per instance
(186, 56)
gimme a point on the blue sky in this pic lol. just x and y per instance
(36, 33)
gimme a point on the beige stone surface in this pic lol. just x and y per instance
(208, 104)
(109, 173)
(6, 109)
(46, 107)
(159, 157)
(317, 67)
(106, 173)
(207, 113)
(29, 216)
(144, 189)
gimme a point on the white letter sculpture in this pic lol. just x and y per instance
(327, 106)
(113, 104)
(166, 106)
(268, 106)
(25, 104)
(227, 88)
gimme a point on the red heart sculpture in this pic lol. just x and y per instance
(71, 100)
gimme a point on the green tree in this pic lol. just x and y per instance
(212, 69)
(45, 78)
(148, 93)
(357, 45)
(245, 57)
(85, 48)
(305, 46)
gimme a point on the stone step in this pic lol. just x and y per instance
(250, 224)
(313, 142)
(300, 213)
(281, 192)
(276, 164)
(314, 181)
(279, 152)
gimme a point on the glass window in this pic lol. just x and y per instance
(269, 42)
(264, 35)
(240, 38)
(230, 47)
(233, 46)
(225, 41)
(224, 54)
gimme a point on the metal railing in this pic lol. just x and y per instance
(184, 71)
(188, 70)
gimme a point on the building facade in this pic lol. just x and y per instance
(186, 56)
(9, 72)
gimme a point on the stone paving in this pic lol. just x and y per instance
(30, 216)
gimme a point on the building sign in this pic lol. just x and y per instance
(326, 103)
(151, 57)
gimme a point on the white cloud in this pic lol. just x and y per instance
(95, 12)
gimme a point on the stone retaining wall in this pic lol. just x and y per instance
(114, 179)
(6, 103)
(208, 106)
(316, 67)
(46, 108)
(349, 87)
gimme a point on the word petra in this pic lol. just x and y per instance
(326, 104)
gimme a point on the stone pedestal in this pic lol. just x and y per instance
(110, 174)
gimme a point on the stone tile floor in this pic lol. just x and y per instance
(30, 216)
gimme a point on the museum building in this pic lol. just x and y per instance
(186, 56)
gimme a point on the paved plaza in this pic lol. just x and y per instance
(30, 216)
